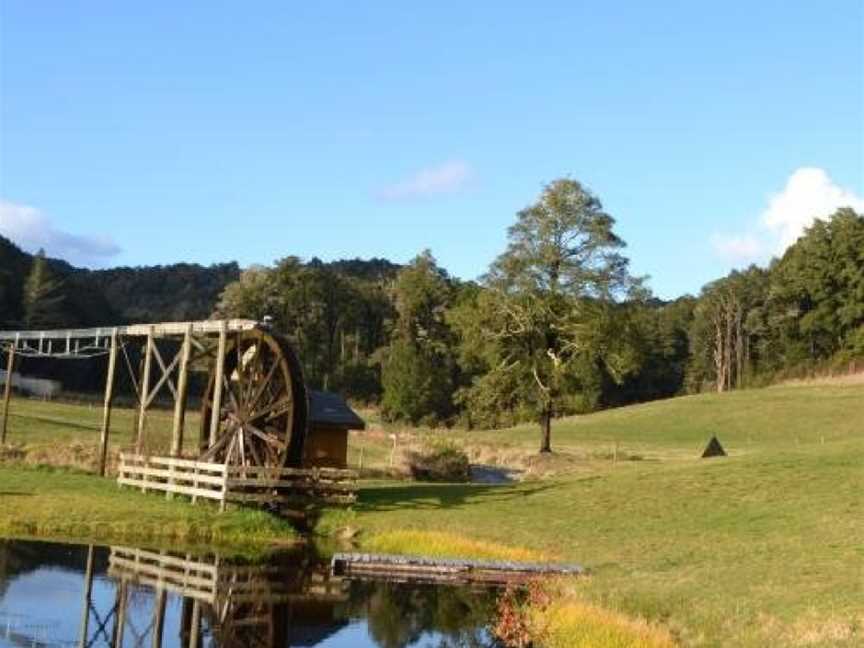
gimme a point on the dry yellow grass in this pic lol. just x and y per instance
(568, 621)
(841, 379)
(446, 545)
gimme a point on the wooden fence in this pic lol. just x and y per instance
(240, 484)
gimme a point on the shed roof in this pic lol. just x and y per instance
(327, 408)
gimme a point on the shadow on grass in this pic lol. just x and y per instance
(90, 427)
(416, 496)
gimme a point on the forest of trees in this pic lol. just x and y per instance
(557, 325)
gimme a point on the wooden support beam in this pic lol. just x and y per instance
(7, 392)
(166, 370)
(144, 384)
(106, 407)
(166, 376)
(195, 624)
(216, 409)
(158, 618)
(88, 590)
(121, 600)
(180, 396)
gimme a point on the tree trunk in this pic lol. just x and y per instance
(546, 429)
(718, 352)
(739, 348)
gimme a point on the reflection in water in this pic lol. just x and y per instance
(68, 595)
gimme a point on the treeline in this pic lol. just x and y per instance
(557, 325)
(805, 310)
(39, 292)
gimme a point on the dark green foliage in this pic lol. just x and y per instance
(174, 293)
(557, 327)
(546, 323)
(337, 315)
(419, 366)
(43, 296)
(805, 310)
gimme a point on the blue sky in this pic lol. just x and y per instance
(143, 133)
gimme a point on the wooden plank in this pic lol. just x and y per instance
(269, 497)
(191, 589)
(156, 572)
(165, 473)
(175, 488)
(281, 483)
(157, 482)
(216, 408)
(186, 564)
(331, 473)
(106, 407)
(7, 391)
(128, 458)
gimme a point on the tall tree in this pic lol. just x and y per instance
(550, 299)
(419, 364)
(43, 297)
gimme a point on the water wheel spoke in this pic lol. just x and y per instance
(235, 402)
(278, 408)
(253, 402)
(220, 442)
(241, 445)
(268, 438)
(240, 368)
(254, 451)
(230, 451)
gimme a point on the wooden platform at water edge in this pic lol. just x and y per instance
(418, 569)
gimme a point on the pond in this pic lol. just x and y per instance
(55, 594)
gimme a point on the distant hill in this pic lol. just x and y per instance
(176, 292)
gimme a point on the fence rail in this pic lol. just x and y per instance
(223, 483)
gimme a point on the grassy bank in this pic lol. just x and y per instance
(763, 547)
(47, 502)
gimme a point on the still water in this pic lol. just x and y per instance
(76, 595)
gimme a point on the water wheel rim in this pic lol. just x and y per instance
(263, 409)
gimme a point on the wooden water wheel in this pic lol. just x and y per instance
(263, 413)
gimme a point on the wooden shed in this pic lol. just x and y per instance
(330, 419)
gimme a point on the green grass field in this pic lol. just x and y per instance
(764, 547)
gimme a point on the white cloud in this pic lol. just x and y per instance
(809, 194)
(744, 248)
(449, 177)
(31, 230)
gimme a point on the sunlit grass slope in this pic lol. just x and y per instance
(766, 545)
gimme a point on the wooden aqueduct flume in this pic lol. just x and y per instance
(254, 410)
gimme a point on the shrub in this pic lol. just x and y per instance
(442, 462)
